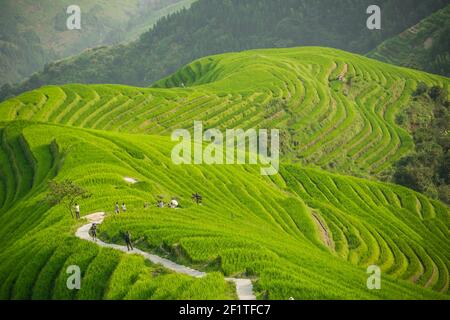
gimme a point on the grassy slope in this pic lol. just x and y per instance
(256, 226)
(424, 46)
(259, 226)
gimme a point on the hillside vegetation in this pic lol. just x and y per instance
(336, 110)
(34, 33)
(304, 233)
(427, 170)
(424, 46)
(217, 26)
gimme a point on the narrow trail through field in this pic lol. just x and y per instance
(324, 232)
(244, 287)
(343, 73)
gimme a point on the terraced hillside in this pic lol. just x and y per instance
(424, 46)
(336, 110)
(249, 225)
(304, 233)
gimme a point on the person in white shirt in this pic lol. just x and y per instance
(77, 210)
(124, 207)
(173, 204)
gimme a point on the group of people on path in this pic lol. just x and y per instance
(93, 229)
(117, 208)
(126, 236)
(173, 204)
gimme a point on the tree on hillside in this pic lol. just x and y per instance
(66, 193)
(197, 198)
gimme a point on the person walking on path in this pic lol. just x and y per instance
(117, 210)
(124, 207)
(77, 210)
(128, 241)
(93, 232)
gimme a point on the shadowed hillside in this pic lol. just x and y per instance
(424, 46)
(34, 33)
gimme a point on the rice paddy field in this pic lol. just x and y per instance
(309, 232)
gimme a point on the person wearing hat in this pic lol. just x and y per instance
(93, 231)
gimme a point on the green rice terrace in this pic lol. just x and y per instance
(309, 232)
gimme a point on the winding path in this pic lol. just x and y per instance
(244, 287)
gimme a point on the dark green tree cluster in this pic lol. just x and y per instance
(20, 51)
(427, 170)
(33, 33)
(439, 61)
(217, 26)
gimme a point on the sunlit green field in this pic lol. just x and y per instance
(306, 233)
